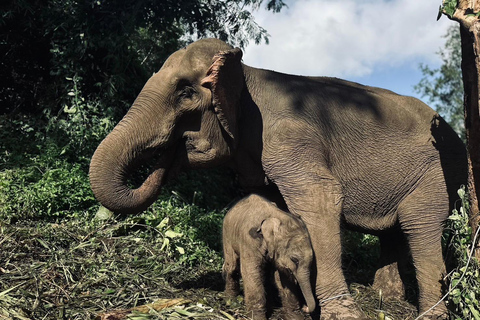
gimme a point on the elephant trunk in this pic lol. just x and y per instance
(303, 279)
(116, 158)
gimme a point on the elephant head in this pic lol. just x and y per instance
(185, 116)
(288, 244)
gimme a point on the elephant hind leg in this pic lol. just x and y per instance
(421, 216)
(231, 273)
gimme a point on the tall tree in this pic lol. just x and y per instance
(111, 47)
(467, 14)
(443, 86)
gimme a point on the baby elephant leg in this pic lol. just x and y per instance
(231, 273)
(289, 294)
(253, 275)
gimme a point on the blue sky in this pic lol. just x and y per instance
(373, 42)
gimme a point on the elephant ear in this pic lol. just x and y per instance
(270, 230)
(225, 80)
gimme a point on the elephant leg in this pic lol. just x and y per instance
(320, 206)
(289, 296)
(421, 217)
(312, 192)
(391, 274)
(253, 274)
(231, 273)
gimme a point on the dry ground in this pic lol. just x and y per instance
(76, 270)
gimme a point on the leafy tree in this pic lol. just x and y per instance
(111, 47)
(443, 86)
(70, 69)
(467, 14)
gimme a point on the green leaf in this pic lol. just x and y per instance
(461, 192)
(43, 243)
(163, 223)
(449, 7)
(68, 110)
(180, 250)
(103, 214)
(455, 293)
(166, 242)
(184, 312)
(172, 234)
(474, 312)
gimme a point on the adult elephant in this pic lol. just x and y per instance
(341, 154)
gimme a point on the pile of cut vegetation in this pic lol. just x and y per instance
(112, 269)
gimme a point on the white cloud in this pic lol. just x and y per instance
(347, 38)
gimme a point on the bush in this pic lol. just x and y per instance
(57, 192)
(464, 291)
(44, 171)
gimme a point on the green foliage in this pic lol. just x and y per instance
(44, 160)
(464, 290)
(443, 87)
(448, 7)
(188, 233)
(58, 192)
(112, 46)
(72, 69)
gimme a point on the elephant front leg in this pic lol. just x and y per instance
(319, 203)
(253, 274)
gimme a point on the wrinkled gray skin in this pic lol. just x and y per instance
(341, 155)
(256, 233)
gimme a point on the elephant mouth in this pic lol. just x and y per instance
(195, 145)
(190, 139)
(149, 162)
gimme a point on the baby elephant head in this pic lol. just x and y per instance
(288, 246)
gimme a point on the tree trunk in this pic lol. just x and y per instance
(471, 81)
(470, 37)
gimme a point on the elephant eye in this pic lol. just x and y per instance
(295, 260)
(187, 92)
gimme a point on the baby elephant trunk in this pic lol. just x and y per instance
(303, 279)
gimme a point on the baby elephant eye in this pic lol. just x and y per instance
(294, 260)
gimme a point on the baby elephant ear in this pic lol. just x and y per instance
(225, 80)
(270, 230)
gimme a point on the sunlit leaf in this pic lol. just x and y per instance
(172, 234)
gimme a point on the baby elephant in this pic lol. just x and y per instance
(256, 233)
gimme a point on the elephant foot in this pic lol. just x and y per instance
(388, 280)
(443, 316)
(438, 313)
(343, 308)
